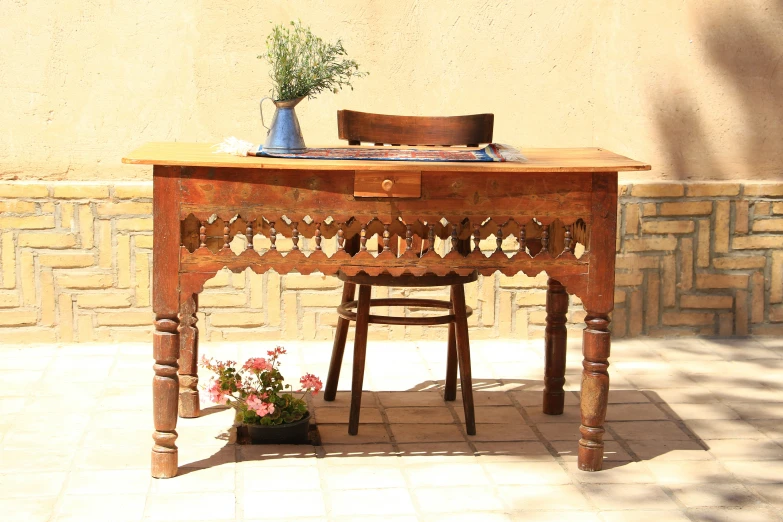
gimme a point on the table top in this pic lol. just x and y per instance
(539, 160)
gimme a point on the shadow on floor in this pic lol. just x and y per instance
(418, 423)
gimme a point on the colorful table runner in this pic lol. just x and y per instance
(492, 152)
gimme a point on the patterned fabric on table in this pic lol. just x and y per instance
(492, 152)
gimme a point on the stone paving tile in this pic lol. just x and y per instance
(634, 412)
(514, 451)
(643, 516)
(648, 430)
(434, 451)
(442, 474)
(669, 450)
(31, 484)
(746, 514)
(689, 472)
(279, 478)
(378, 502)
(338, 434)
(104, 482)
(708, 411)
(614, 473)
(398, 399)
(493, 415)
(631, 496)
(757, 472)
(693, 395)
(537, 416)
(357, 450)
(519, 473)
(545, 497)
(419, 415)
(713, 495)
(426, 433)
(30, 509)
(756, 410)
(298, 503)
(475, 499)
(195, 480)
(725, 465)
(772, 493)
(121, 507)
(330, 415)
(502, 432)
(771, 428)
(362, 476)
(743, 449)
(485, 398)
(724, 429)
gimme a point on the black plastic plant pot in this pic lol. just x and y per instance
(291, 433)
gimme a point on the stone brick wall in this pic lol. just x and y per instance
(693, 259)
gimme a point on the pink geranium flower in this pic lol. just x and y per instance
(216, 394)
(257, 404)
(276, 352)
(311, 382)
(257, 364)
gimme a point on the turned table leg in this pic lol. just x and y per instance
(555, 339)
(166, 305)
(189, 406)
(165, 387)
(595, 391)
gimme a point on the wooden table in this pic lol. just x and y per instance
(552, 202)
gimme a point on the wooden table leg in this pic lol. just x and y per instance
(165, 304)
(596, 339)
(595, 391)
(555, 340)
(165, 387)
(189, 406)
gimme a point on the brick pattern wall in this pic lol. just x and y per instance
(693, 259)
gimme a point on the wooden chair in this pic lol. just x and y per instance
(380, 129)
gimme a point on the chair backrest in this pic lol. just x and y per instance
(380, 129)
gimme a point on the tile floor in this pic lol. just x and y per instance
(693, 433)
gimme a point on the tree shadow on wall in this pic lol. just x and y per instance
(748, 57)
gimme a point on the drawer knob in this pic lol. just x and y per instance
(387, 185)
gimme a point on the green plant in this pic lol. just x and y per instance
(256, 391)
(302, 64)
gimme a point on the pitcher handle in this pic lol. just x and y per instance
(261, 109)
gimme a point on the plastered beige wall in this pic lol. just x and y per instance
(693, 87)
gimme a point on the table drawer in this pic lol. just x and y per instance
(387, 184)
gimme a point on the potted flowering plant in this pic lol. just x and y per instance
(263, 403)
(301, 65)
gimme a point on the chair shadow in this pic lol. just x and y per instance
(553, 438)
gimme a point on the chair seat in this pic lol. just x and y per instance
(408, 280)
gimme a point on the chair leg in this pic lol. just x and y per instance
(359, 352)
(450, 393)
(340, 336)
(463, 354)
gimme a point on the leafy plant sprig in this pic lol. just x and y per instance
(302, 64)
(256, 390)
